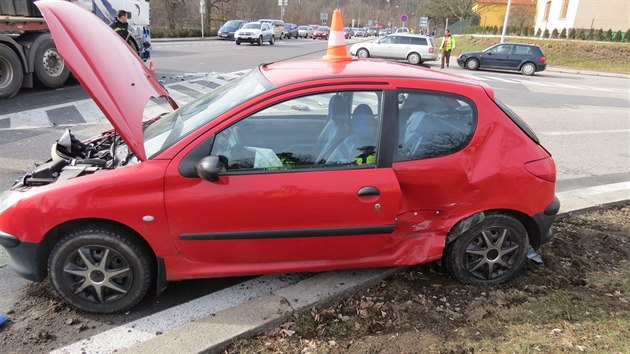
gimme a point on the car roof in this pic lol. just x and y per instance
(406, 34)
(526, 44)
(288, 72)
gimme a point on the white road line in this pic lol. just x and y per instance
(146, 328)
(584, 132)
(502, 80)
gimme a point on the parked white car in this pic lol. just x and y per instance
(402, 30)
(305, 32)
(255, 32)
(414, 48)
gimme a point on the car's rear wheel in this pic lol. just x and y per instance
(272, 40)
(414, 58)
(100, 269)
(472, 64)
(528, 69)
(490, 252)
(363, 53)
(259, 41)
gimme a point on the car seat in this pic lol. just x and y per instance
(337, 127)
(361, 142)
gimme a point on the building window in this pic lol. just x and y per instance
(565, 7)
(547, 8)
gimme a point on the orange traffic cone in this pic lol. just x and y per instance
(336, 50)
(151, 67)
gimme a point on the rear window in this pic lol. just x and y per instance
(518, 121)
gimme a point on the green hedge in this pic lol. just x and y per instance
(561, 33)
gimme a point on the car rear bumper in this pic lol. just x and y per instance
(226, 35)
(22, 257)
(541, 66)
(544, 220)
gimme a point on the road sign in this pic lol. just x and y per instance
(323, 16)
(283, 2)
(424, 22)
(403, 18)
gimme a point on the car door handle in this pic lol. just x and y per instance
(368, 191)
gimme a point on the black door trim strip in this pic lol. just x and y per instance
(290, 233)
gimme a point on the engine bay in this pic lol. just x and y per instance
(71, 158)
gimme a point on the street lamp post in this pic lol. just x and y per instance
(505, 22)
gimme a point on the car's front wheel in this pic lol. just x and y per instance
(272, 40)
(528, 69)
(490, 252)
(414, 58)
(363, 53)
(238, 42)
(100, 269)
(259, 41)
(472, 64)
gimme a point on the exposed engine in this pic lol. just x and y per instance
(71, 158)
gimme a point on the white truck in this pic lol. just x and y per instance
(28, 53)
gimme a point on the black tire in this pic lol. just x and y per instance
(238, 42)
(489, 253)
(50, 69)
(363, 53)
(11, 72)
(472, 64)
(259, 41)
(272, 40)
(115, 286)
(528, 69)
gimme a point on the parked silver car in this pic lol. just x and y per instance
(305, 32)
(414, 48)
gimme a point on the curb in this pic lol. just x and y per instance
(214, 333)
(563, 70)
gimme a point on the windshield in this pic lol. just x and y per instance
(232, 23)
(302, 28)
(173, 126)
(252, 26)
(322, 29)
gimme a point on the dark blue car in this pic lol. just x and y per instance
(525, 58)
(227, 30)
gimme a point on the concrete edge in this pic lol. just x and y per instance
(214, 333)
(600, 206)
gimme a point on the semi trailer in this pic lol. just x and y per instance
(27, 51)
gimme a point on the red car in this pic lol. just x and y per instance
(297, 166)
(321, 32)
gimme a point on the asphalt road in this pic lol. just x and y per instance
(582, 120)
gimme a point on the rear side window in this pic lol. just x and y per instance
(433, 124)
(418, 41)
(523, 50)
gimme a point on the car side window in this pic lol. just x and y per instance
(326, 130)
(402, 40)
(418, 41)
(501, 49)
(433, 124)
(522, 50)
(388, 40)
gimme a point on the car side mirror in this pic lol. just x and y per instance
(208, 168)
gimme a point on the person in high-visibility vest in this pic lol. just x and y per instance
(447, 45)
(120, 25)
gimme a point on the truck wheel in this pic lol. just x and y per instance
(50, 69)
(11, 72)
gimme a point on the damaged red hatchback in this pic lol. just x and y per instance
(296, 166)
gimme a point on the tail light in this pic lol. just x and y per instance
(544, 169)
(431, 49)
(542, 59)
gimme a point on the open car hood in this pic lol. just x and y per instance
(109, 70)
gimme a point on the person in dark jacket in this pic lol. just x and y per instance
(120, 25)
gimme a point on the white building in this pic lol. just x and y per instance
(605, 14)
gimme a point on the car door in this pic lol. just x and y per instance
(520, 54)
(496, 57)
(383, 48)
(273, 202)
(402, 46)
